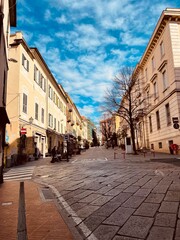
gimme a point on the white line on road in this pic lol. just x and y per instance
(74, 216)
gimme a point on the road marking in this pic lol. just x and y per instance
(19, 174)
(85, 230)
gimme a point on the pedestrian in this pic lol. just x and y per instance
(54, 153)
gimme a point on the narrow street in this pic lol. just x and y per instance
(105, 198)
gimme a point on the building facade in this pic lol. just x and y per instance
(38, 106)
(158, 73)
(7, 19)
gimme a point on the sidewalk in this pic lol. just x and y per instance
(119, 154)
(42, 217)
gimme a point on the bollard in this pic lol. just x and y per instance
(21, 228)
(123, 155)
(153, 153)
(115, 155)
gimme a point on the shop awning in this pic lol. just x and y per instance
(3, 116)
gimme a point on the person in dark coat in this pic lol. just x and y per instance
(53, 152)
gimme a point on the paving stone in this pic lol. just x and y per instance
(151, 184)
(142, 181)
(93, 186)
(178, 229)
(161, 233)
(122, 197)
(131, 189)
(77, 206)
(92, 222)
(174, 187)
(143, 192)
(165, 220)
(104, 190)
(84, 194)
(172, 196)
(137, 227)
(133, 202)
(101, 200)
(120, 216)
(147, 209)
(160, 189)
(155, 198)
(125, 238)
(123, 186)
(86, 211)
(107, 209)
(90, 198)
(104, 232)
(169, 207)
(114, 192)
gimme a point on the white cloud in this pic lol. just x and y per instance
(62, 19)
(47, 15)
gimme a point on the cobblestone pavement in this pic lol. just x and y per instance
(118, 199)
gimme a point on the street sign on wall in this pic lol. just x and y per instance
(23, 131)
(176, 125)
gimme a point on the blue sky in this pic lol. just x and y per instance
(86, 42)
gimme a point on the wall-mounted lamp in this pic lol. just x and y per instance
(12, 60)
(31, 120)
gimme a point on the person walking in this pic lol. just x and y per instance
(53, 152)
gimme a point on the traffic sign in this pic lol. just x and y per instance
(175, 119)
(23, 131)
(176, 125)
(66, 137)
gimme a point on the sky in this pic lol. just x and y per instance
(85, 43)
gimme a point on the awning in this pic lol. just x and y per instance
(3, 116)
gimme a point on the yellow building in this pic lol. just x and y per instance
(36, 104)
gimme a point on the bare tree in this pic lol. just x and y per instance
(106, 128)
(124, 99)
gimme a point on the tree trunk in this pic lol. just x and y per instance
(133, 138)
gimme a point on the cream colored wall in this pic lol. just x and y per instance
(170, 36)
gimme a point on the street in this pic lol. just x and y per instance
(105, 198)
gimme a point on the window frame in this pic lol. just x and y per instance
(24, 103)
(158, 120)
(168, 114)
(36, 111)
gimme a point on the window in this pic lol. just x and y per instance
(155, 90)
(168, 115)
(50, 122)
(42, 115)
(162, 49)
(158, 120)
(150, 124)
(61, 128)
(153, 64)
(50, 92)
(24, 103)
(164, 77)
(36, 111)
(148, 100)
(146, 75)
(25, 63)
(160, 144)
(55, 123)
(58, 126)
(35, 73)
(152, 146)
